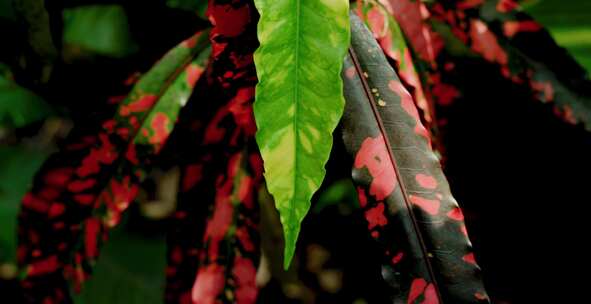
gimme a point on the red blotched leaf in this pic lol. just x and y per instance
(403, 174)
(81, 191)
(223, 252)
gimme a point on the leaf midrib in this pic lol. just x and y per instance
(296, 103)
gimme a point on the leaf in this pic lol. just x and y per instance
(298, 99)
(402, 190)
(82, 190)
(221, 175)
(501, 34)
(378, 17)
(98, 29)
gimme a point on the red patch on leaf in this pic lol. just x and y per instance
(122, 193)
(409, 107)
(505, 6)
(32, 202)
(245, 273)
(411, 15)
(160, 128)
(480, 296)
(428, 205)
(58, 177)
(373, 155)
(104, 154)
(511, 28)
(42, 267)
(397, 258)
(464, 230)
(545, 90)
(56, 210)
(48, 193)
(426, 181)
(456, 214)
(131, 155)
(375, 216)
(194, 71)
(469, 258)
(466, 4)
(244, 238)
(227, 20)
(84, 199)
(350, 72)
(219, 223)
(208, 284)
(191, 177)
(485, 43)
(142, 104)
(81, 185)
(420, 287)
(362, 197)
(92, 228)
(445, 93)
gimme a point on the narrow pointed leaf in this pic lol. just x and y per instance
(402, 190)
(298, 99)
(82, 189)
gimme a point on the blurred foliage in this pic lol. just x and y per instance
(18, 165)
(130, 270)
(19, 106)
(569, 22)
(97, 29)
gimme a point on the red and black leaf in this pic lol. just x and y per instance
(81, 191)
(402, 190)
(216, 261)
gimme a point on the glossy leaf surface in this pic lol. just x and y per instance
(402, 190)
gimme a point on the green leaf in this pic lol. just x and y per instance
(299, 99)
(100, 29)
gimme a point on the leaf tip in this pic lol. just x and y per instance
(291, 237)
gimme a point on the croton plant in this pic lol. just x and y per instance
(252, 102)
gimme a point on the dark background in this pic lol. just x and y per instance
(521, 174)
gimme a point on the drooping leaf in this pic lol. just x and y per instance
(402, 190)
(82, 190)
(213, 245)
(298, 99)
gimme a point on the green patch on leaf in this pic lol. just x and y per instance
(299, 99)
